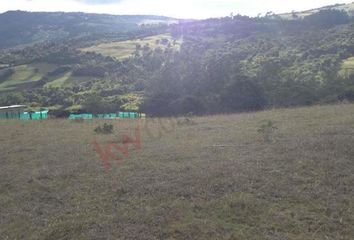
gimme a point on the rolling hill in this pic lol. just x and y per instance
(198, 67)
(22, 28)
(348, 8)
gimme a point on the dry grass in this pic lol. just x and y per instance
(213, 179)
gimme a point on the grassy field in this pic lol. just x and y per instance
(66, 80)
(25, 74)
(210, 177)
(59, 81)
(125, 49)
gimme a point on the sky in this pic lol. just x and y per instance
(197, 9)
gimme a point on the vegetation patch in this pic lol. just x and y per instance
(104, 129)
(347, 67)
(125, 49)
(23, 74)
(267, 129)
(348, 8)
(59, 81)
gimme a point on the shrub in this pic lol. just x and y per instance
(267, 129)
(243, 94)
(105, 129)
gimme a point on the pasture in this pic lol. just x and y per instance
(214, 177)
(28, 76)
(125, 49)
(25, 75)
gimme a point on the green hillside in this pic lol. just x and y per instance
(24, 76)
(349, 8)
(22, 28)
(222, 65)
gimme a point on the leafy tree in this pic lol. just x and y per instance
(94, 104)
(327, 18)
(187, 104)
(243, 94)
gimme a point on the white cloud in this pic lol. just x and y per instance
(173, 8)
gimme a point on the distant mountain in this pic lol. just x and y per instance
(23, 28)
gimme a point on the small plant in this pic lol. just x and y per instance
(105, 129)
(267, 129)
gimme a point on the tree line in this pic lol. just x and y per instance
(230, 64)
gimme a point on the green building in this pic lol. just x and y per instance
(12, 112)
(18, 112)
(107, 116)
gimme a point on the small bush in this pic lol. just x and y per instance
(105, 129)
(267, 129)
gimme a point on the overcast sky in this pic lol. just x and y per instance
(172, 8)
